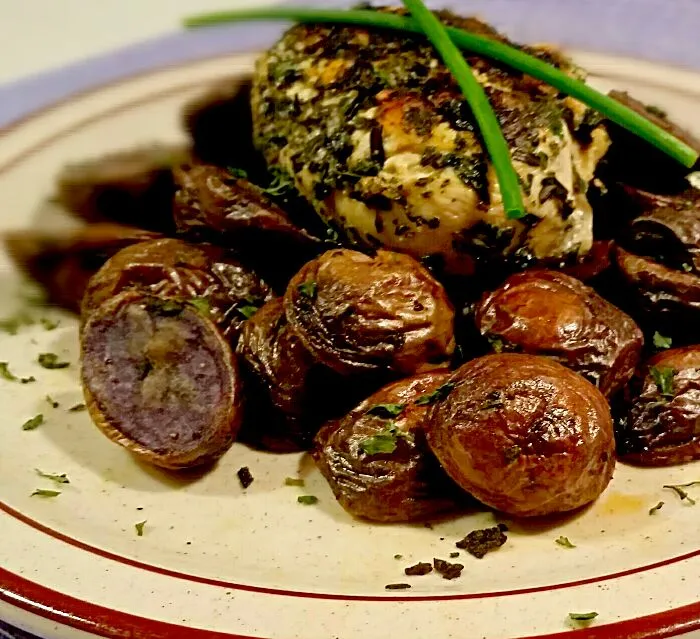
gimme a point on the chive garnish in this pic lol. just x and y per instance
(487, 47)
(489, 126)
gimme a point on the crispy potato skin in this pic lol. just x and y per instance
(360, 314)
(64, 261)
(170, 268)
(663, 430)
(553, 314)
(524, 435)
(160, 381)
(404, 485)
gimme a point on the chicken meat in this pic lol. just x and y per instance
(372, 129)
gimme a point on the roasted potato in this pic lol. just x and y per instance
(133, 187)
(383, 314)
(548, 313)
(662, 426)
(667, 298)
(213, 205)
(376, 459)
(667, 230)
(64, 261)
(636, 162)
(160, 379)
(524, 434)
(277, 369)
(170, 268)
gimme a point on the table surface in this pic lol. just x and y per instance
(71, 30)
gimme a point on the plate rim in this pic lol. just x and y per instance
(86, 616)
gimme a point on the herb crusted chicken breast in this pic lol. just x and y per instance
(379, 138)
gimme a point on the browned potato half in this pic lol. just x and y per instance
(133, 187)
(277, 368)
(553, 314)
(524, 435)
(662, 426)
(160, 379)
(376, 459)
(170, 268)
(361, 314)
(64, 261)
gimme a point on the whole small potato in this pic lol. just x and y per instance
(524, 435)
(548, 313)
(662, 426)
(376, 459)
(384, 314)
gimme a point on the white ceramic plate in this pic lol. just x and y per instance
(218, 561)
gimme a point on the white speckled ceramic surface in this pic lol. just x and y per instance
(219, 561)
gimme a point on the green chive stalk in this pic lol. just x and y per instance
(610, 108)
(489, 127)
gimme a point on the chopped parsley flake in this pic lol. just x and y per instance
(33, 423)
(564, 541)
(293, 481)
(11, 325)
(496, 344)
(77, 408)
(239, 174)
(139, 528)
(307, 500)
(27, 380)
(59, 479)
(439, 394)
(663, 377)
(5, 372)
(52, 402)
(656, 508)
(308, 289)
(582, 616)
(51, 361)
(386, 410)
(281, 185)
(661, 341)
(201, 304)
(398, 556)
(42, 492)
(49, 324)
(384, 441)
(679, 490)
(248, 310)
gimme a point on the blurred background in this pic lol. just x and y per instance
(38, 35)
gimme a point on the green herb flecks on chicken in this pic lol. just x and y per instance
(378, 136)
